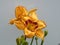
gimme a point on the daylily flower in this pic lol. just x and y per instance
(28, 22)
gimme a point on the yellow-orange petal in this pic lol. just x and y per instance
(26, 18)
(41, 24)
(19, 25)
(20, 11)
(33, 14)
(12, 21)
(28, 33)
(40, 34)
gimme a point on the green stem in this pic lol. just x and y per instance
(36, 40)
(32, 40)
(42, 42)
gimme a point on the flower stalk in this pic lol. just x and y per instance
(42, 42)
(32, 40)
(36, 40)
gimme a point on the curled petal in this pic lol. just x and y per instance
(12, 21)
(19, 25)
(33, 14)
(28, 33)
(32, 10)
(20, 11)
(41, 24)
(40, 34)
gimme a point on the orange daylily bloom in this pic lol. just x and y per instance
(28, 22)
